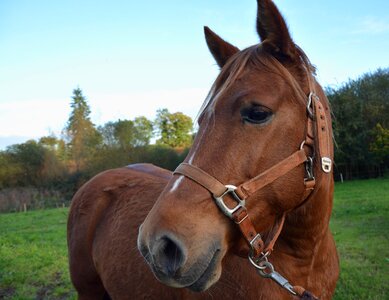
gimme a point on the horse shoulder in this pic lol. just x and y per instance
(116, 190)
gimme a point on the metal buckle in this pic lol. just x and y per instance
(326, 164)
(258, 236)
(309, 169)
(223, 207)
(309, 105)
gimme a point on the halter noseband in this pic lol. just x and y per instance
(317, 129)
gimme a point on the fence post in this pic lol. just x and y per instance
(24, 207)
(341, 177)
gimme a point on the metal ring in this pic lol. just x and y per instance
(266, 265)
(255, 264)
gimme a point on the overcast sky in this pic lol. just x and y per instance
(132, 57)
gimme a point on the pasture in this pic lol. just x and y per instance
(33, 253)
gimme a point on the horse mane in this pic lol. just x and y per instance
(257, 58)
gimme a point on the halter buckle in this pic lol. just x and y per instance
(223, 207)
(309, 169)
(310, 111)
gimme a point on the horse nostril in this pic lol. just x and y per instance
(169, 256)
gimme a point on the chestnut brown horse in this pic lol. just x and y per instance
(142, 232)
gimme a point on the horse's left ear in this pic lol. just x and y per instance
(220, 49)
(273, 31)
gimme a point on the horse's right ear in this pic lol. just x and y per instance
(273, 31)
(220, 49)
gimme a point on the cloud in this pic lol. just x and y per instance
(373, 25)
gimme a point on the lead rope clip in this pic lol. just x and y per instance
(267, 271)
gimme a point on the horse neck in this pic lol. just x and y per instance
(307, 226)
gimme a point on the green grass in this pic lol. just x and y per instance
(33, 253)
(360, 224)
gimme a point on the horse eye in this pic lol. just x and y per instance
(256, 114)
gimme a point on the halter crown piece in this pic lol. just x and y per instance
(317, 130)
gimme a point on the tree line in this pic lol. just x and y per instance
(60, 165)
(361, 125)
(63, 164)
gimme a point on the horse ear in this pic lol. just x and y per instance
(220, 49)
(273, 30)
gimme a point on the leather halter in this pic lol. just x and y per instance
(317, 136)
(240, 193)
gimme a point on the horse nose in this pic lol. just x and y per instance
(169, 255)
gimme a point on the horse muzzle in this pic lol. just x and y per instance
(170, 262)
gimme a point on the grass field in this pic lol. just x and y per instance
(360, 224)
(33, 255)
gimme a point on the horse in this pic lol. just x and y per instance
(246, 215)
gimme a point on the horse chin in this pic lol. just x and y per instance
(209, 276)
(196, 280)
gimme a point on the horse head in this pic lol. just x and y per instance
(254, 117)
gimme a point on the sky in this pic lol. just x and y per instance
(131, 58)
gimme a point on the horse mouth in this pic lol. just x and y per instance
(205, 279)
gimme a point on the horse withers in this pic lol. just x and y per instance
(246, 216)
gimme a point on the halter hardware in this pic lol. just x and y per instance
(326, 164)
(275, 276)
(309, 169)
(310, 107)
(223, 207)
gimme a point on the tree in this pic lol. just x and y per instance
(175, 130)
(49, 141)
(81, 132)
(380, 144)
(124, 133)
(10, 171)
(359, 106)
(107, 132)
(143, 131)
(127, 133)
(29, 159)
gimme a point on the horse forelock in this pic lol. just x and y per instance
(257, 58)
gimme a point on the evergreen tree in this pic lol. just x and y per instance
(83, 138)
